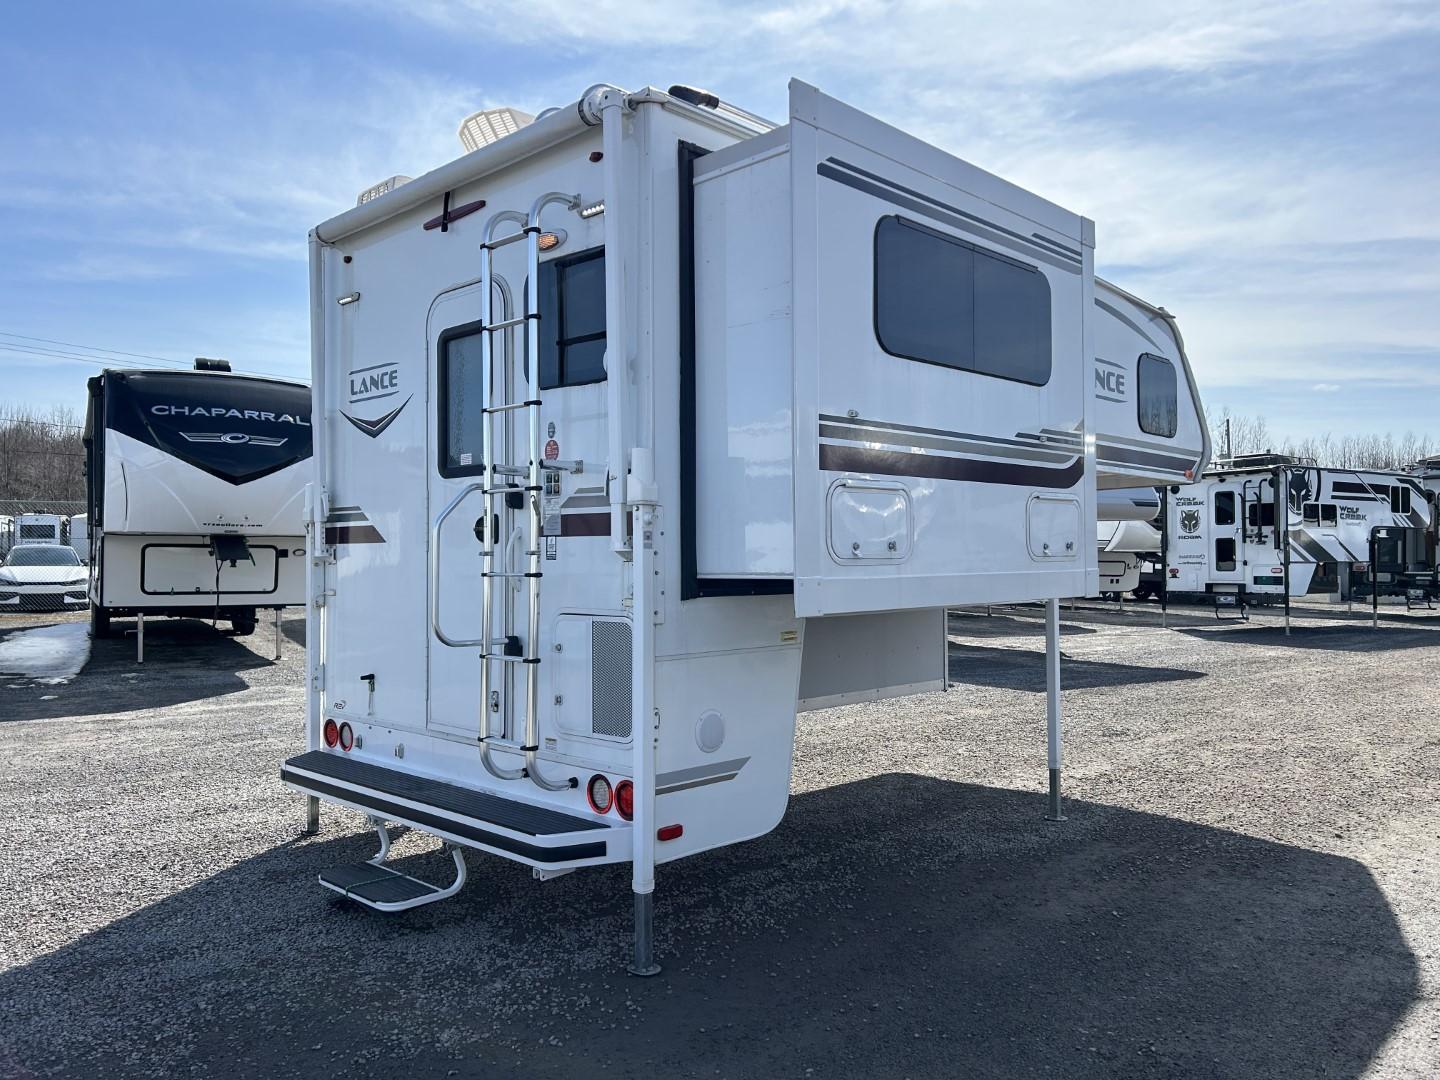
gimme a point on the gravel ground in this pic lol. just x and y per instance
(1246, 886)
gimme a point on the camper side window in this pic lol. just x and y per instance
(461, 401)
(1328, 514)
(942, 301)
(1261, 515)
(1225, 553)
(1399, 500)
(572, 320)
(1224, 508)
(1157, 398)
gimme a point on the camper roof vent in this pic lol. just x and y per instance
(206, 363)
(384, 187)
(490, 125)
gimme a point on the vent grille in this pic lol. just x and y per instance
(610, 679)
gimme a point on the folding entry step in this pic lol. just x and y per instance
(535, 835)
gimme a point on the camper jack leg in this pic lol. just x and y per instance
(1052, 704)
(643, 961)
(140, 637)
(277, 634)
(312, 815)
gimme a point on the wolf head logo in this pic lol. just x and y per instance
(1190, 521)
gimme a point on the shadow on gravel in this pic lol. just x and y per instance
(978, 624)
(185, 660)
(896, 926)
(1335, 638)
(1024, 669)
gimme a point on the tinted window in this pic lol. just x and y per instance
(461, 401)
(1224, 508)
(572, 320)
(1311, 512)
(42, 555)
(943, 301)
(1157, 397)
(1400, 500)
(1328, 514)
(1225, 553)
(1261, 515)
(38, 532)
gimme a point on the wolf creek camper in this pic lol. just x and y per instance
(40, 529)
(1270, 528)
(195, 483)
(649, 423)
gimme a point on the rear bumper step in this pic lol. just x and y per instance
(534, 835)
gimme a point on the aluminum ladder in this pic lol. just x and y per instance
(498, 482)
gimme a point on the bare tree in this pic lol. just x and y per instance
(1251, 435)
(41, 455)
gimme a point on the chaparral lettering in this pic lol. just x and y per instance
(236, 414)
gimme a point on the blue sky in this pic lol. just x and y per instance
(1269, 172)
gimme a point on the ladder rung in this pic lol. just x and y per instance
(511, 239)
(508, 489)
(508, 323)
(514, 405)
(513, 573)
(510, 659)
(511, 470)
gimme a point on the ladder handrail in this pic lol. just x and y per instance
(465, 492)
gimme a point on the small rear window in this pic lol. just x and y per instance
(1157, 397)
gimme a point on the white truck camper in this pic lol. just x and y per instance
(1126, 534)
(650, 422)
(1272, 527)
(39, 529)
(196, 486)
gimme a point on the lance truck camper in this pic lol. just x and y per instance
(1263, 527)
(648, 422)
(196, 487)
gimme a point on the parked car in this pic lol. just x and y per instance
(42, 577)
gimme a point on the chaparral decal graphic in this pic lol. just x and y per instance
(231, 438)
(373, 428)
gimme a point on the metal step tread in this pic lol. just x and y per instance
(451, 798)
(376, 884)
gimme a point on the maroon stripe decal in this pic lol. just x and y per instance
(898, 463)
(353, 534)
(585, 524)
(454, 214)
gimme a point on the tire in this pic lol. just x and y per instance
(242, 625)
(99, 621)
(1142, 593)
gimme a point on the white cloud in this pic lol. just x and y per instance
(1326, 388)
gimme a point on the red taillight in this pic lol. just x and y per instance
(347, 738)
(332, 733)
(669, 832)
(600, 794)
(625, 799)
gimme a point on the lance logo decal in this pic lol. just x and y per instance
(373, 428)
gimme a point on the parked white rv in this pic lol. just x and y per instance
(39, 529)
(196, 483)
(1126, 535)
(650, 422)
(80, 536)
(1263, 526)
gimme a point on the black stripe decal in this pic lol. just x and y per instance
(353, 534)
(887, 182)
(929, 466)
(954, 446)
(422, 819)
(855, 421)
(1115, 455)
(954, 220)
